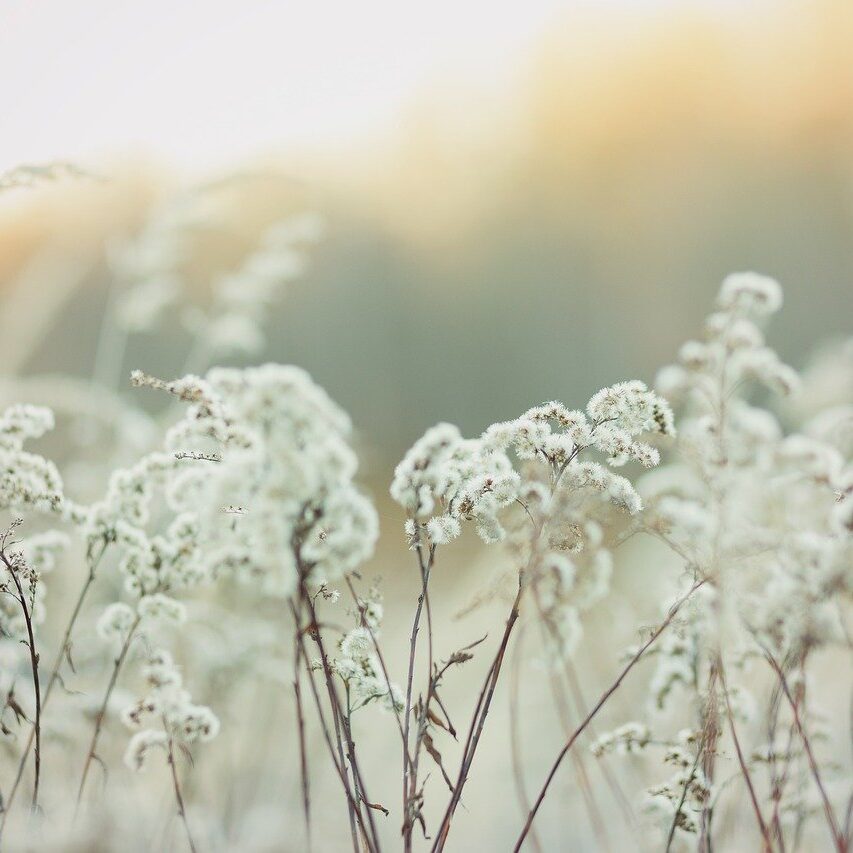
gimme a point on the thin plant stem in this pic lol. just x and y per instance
(179, 799)
(479, 720)
(34, 665)
(378, 649)
(514, 735)
(765, 835)
(425, 707)
(610, 779)
(53, 679)
(300, 721)
(680, 805)
(102, 711)
(549, 634)
(831, 820)
(335, 754)
(598, 706)
(341, 725)
(408, 793)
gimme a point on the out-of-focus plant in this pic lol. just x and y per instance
(253, 489)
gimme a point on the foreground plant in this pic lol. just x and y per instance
(254, 494)
(767, 518)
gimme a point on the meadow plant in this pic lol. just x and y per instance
(249, 507)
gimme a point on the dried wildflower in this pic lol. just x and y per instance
(27, 480)
(630, 737)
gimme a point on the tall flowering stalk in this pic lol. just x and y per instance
(529, 481)
(253, 496)
(764, 516)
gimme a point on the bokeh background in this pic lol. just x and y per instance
(522, 201)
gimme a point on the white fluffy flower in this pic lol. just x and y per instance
(751, 293)
(141, 744)
(115, 622)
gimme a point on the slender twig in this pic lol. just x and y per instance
(409, 785)
(179, 800)
(514, 738)
(765, 834)
(53, 679)
(34, 665)
(478, 721)
(378, 649)
(710, 734)
(609, 778)
(549, 635)
(335, 754)
(102, 711)
(680, 804)
(425, 705)
(300, 721)
(604, 697)
(831, 820)
(340, 722)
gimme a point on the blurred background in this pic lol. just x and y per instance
(519, 202)
(522, 201)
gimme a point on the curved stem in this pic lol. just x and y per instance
(598, 706)
(410, 785)
(837, 836)
(765, 834)
(34, 665)
(478, 721)
(179, 799)
(102, 711)
(52, 679)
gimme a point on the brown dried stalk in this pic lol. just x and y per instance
(598, 706)
(341, 723)
(409, 762)
(765, 834)
(478, 721)
(300, 721)
(13, 567)
(102, 711)
(582, 710)
(378, 649)
(53, 678)
(514, 739)
(336, 754)
(549, 635)
(179, 799)
(837, 835)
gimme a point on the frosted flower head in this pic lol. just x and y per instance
(632, 407)
(630, 737)
(26, 479)
(42, 550)
(159, 606)
(115, 622)
(140, 746)
(263, 479)
(445, 480)
(22, 422)
(751, 293)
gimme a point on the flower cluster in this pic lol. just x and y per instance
(445, 479)
(763, 518)
(266, 473)
(169, 705)
(242, 299)
(26, 479)
(152, 268)
(358, 664)
(630, 737)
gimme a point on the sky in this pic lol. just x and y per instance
(203, 85)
